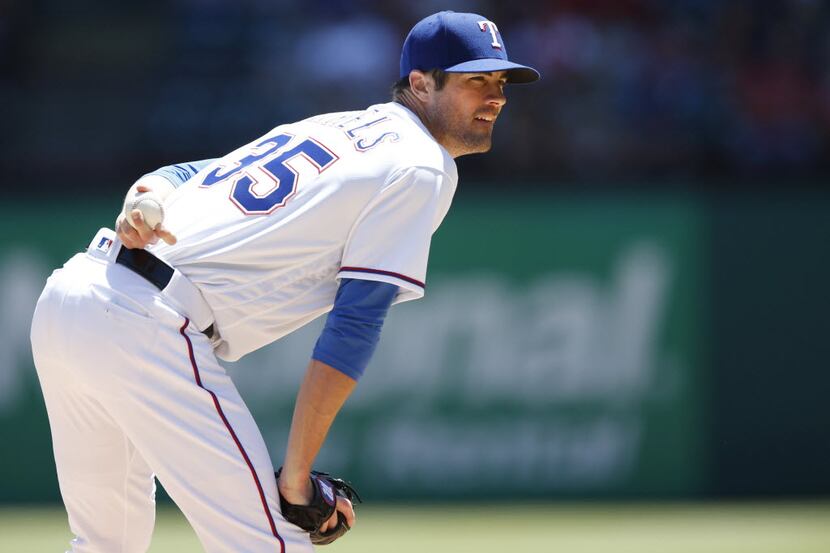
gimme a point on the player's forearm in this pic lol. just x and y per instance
(342, 352)
(322, 394)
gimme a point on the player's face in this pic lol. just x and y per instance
(464, 111)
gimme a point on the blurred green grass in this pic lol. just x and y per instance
(559, 527)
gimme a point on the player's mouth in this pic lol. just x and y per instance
(485, 118)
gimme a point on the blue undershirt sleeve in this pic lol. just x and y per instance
(353, 327)
(179, 173)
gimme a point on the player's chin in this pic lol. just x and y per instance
(480, 145)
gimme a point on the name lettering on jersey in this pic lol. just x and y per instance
(363, 144)
(359, 131)
(484, 26)
(353, 132)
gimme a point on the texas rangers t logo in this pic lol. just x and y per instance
(484, 26)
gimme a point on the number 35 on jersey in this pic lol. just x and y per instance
(266, 178)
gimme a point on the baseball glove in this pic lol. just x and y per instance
(311, 517)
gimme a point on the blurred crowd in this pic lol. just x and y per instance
(705, 92)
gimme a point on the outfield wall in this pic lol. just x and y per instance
(620, 346)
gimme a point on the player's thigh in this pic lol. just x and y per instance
(105, 484)
(71, 349)
(188, 419)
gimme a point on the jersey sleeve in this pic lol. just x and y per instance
(179, 173)
(353, 326)
(390, 241)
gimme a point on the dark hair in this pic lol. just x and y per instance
(438, 75)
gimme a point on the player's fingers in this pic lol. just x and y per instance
(345, 506)
(133, 241)
(330, 523)
(137, 221)
(127, 234)
(166, 235)
(130, 241)
(144, 232)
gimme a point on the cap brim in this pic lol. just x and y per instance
(516, 74)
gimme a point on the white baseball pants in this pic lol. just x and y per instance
(133, 390)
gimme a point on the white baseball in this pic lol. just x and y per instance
(149, 205)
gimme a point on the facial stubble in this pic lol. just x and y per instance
(450, 125)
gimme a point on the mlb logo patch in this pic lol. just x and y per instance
(104, 244)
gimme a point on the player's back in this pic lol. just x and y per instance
(265, 231)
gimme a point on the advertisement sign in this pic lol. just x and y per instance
(556, 353)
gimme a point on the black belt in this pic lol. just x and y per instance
(151, 268)
(146, 265)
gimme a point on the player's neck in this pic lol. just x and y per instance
(408, 100)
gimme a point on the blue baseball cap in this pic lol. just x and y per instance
(460, 43)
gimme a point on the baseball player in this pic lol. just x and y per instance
(330, 214)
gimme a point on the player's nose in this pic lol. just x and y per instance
(495, 95)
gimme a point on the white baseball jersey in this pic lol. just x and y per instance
(266, 231)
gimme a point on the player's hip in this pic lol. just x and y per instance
(131, 279)
(100, 326)
(88, 306)
(86, 288)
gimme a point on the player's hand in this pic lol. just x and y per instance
(300, 491)
(343, 506)
(134, 233)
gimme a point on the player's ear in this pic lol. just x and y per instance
(419, 83)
